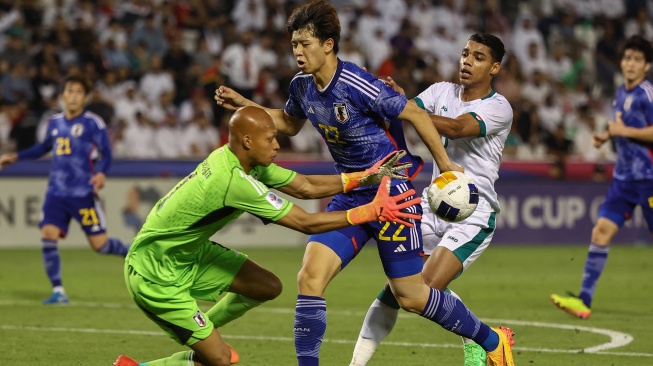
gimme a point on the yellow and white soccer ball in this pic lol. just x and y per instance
(453, 196)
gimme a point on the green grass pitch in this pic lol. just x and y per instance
(508, 285)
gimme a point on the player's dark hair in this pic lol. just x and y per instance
(78, 80)
(495, 45)
(639, 43)
(319, 18)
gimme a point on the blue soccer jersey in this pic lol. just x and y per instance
(635, 158)
(355, 115)
(76, 145)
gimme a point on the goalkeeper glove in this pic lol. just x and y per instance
(385, 207)
(387, 166)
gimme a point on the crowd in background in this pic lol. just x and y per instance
(154, 65)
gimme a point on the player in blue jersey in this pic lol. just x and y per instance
(358, 117)
(632, 183)
(81, 156)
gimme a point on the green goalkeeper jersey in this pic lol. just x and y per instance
(217, 192)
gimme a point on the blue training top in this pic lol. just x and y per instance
(75, 145)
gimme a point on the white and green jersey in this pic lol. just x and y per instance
(217, 192)
(481, 155)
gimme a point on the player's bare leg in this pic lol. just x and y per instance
(103, 244)
(319, 267)
(252, 286)
(211, 351)
(451, 314)
(439, 270)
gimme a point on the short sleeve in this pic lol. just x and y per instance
(493, 116)
(389, 104)
(248, 194)
(275, 176)
(293, 105)
(427, 99)
(371, 95)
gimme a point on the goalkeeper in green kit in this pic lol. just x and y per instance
(172, 262)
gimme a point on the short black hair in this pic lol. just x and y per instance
(641, 44)
(497, 49)
(78, 80)
(320, 18)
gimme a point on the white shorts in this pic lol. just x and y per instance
(467, 239)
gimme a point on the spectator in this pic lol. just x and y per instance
(640, 25)
(241, 64)
(16, 85)
(351, 52)
(156, 81)
(151, 36)
(536, 88)
(200, 138)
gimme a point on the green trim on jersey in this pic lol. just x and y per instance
(468, 248)
(481, 124)
(419, 102)
(216, 193)
(492, 92)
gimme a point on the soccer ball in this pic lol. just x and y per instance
(453, 196)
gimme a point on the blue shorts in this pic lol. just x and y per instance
(622, 198)
(400, 248)
(86, 210)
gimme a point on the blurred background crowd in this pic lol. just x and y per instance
(155, 64)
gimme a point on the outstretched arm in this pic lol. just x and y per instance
(452, 128)
(383, 208)
(319, 186)
(230, 99)
(425, 129)
(33, 152)
(455, 128)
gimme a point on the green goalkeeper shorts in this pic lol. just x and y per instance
(174, 307)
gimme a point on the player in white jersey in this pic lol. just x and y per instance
(474, 120)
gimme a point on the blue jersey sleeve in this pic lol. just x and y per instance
(101, 141)
(293, 105)
(39, 149)
(647, 107)
(374, 96)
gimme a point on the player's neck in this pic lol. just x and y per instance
(244, 161)
(630, 84)
(470, 93)
(324, 75)
(73, 114)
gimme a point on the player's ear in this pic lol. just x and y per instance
(247, 142)
(496, 67)
(647, 67)
(328, 45)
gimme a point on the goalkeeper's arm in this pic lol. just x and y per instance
(319, 186)
(383, 208)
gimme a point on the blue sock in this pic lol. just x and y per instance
(597, 256)
(52, 261)
(114, 246)
(310, 326)
(452, 315)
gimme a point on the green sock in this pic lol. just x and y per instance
(184, 358)
(230, 307)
